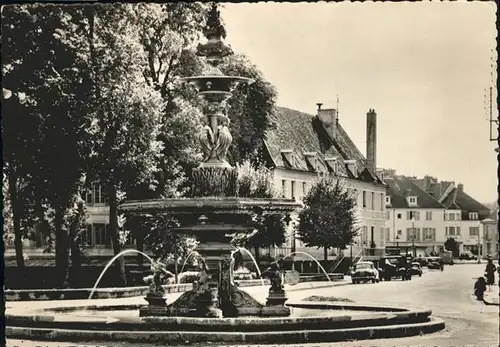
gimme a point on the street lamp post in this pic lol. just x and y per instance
(397, 244)
(413, 236)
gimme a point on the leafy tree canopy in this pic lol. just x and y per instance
(328, 218)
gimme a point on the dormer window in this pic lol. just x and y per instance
(351, 165)
(332, 163)
(387, 200)
(412, 200)
(312, 159)
(473, 216)
(288, 156)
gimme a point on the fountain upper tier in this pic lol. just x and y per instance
(233, 205)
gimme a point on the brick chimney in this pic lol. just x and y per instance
(371, 140)
(460, 187)
(328, 118)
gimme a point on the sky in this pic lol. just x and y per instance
(424, 68)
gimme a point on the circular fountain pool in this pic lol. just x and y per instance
(309, 322)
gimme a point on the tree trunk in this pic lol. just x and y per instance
(76, 255)
(257, 256)
(139, 241)
(176, 270)
(16, 219)
(40, 225)
(62, 248)
(76, 261)
(113, 231)
(325, 254)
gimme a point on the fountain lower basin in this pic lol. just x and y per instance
(309, 322)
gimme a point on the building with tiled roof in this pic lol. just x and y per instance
(464, 214)
(301, 147)
(415, 219)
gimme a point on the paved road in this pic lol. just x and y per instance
(447, 293)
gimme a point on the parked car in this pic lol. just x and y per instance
(365, 271)
(422, 261)
(435, 263)
(396, 266)
(467, 256)
(416, 269)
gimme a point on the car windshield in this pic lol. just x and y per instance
(363, 266)
(393, 260)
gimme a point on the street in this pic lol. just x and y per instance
(447, 293)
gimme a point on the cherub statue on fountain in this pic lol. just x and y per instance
(160, 275)
(273, 272)
(206, 138)
(224, 139)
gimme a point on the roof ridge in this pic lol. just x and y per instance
(430, 196)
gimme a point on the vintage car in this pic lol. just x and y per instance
(416, 269)
(365, 271)
(435, 263)
(395, 266)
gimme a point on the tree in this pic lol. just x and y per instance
(255, 181)
(328, 218)
(168, 246)
(250, 109)
(127, 111)
(451, 245)
(46, 128)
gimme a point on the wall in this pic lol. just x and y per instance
(394, 224)
(372, 215)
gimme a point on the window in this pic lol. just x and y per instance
(365, 234)
(372, 233)
(387, 215)
(399, 216)
(474, 231)
(451, 231)
(364, 199)
(412, 199)
(413, 234)
(428, 215)
(458, 230)
(429, 234)
(400, 232)
(459, 216)
(373, 201)
(95, 195)
(387, 234)
(473, 215)
(382, 205)
(101, 236)
(445, 216)
(292, 188)
(412, 214)
(451, 216)
(304, 188)
(387, 200)
(283, 188)
(87, 236)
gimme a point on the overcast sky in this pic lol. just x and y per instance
(423, 67)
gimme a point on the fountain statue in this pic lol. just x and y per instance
(215, 213)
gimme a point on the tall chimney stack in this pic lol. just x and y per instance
(371, 140)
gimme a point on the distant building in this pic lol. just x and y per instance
(464, 214)
(302, 147)
(415, 219)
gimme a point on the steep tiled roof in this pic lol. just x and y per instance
(450, 201)
(435, 189)
(400, 187)
(303, 133)
(469, 204)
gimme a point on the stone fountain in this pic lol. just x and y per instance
(215, 212)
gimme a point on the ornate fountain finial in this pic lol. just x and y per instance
(214, 49)
(214, 27)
